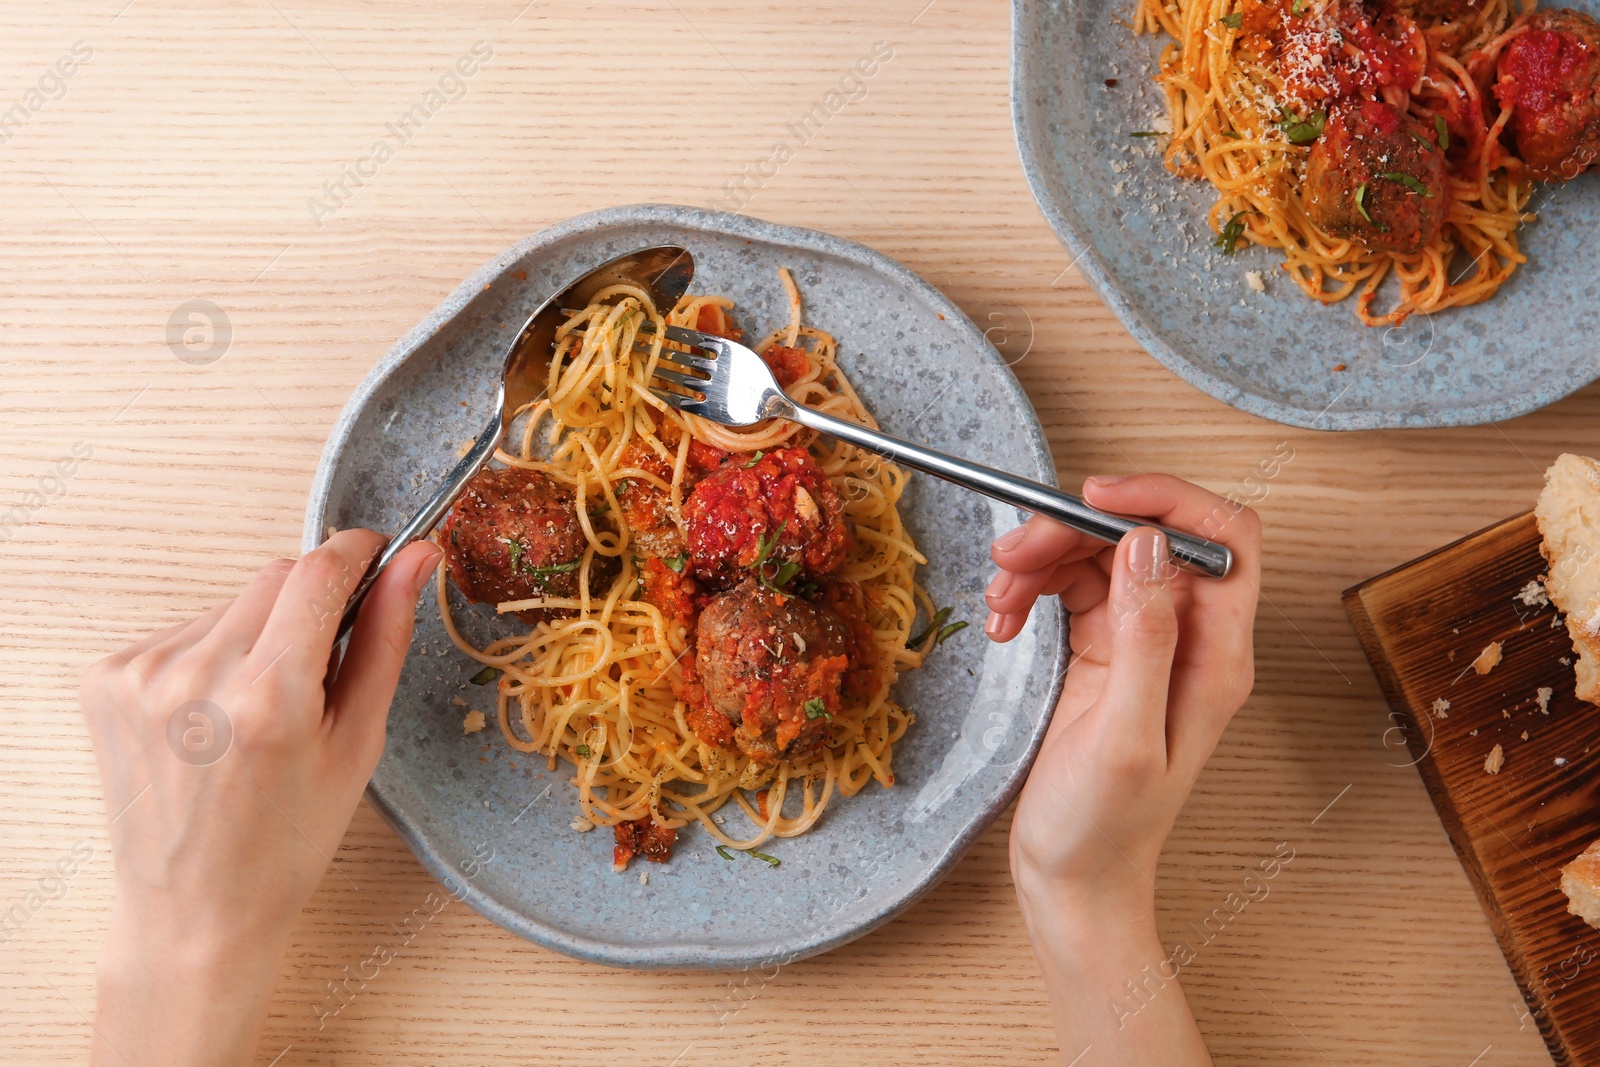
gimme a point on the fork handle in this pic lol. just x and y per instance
(1192, 553)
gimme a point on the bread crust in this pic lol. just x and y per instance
(1568, 514)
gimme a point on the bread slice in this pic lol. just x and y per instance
(1580, 881)
(1568, 513)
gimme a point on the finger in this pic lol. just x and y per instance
(1040, 543)
(1011, 593)
(1184, 506)
(1224, 643)
(359, 700)
(1002, 628)
(1144, 636)
(300, 628)
(241, 623)
(1080, 585)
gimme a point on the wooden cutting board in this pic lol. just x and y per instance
(1423, 624)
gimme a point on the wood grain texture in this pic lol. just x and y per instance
(1516, 815)
(178, 166)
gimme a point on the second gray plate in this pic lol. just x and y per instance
(495, 827)
(1140, 237)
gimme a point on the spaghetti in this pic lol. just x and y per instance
(1251, 90)
(605, 680)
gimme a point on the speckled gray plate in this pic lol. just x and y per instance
(499, 835)
(1139, 236)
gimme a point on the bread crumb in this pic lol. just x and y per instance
(1565, 661)
(1474, 733)
(473, 722)
(1496, 760)
(1441, 708)
(1524, 735)
(1504, 714)
(1488, 659)
(1451, 655)
(582, 825)
(1252, 278)
(1543, 699)
(329, 532)
(458, 702)
(1533, 595)
(644, 877)
(1561, 761)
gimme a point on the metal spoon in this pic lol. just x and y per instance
(663, 271)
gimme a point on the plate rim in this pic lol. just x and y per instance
(1073, 234)
(686, 955)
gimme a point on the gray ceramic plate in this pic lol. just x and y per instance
(1139, 235)
(496, 831)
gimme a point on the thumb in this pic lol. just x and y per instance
(378, 645)
(1144, 636)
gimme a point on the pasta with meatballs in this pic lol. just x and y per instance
(1378, 139)
(717, 615)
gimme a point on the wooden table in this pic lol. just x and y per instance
(178, 166)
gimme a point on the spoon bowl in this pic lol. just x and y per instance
(662, 271)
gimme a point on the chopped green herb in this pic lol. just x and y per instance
(676, 563)
(516, 552)
(453, 537)
(1302, 131)
(934, 624)
(1232, 135)
(554, 568)
(778, 578)
(1443, 130)
(770, 861)
(582, 750)
(1146, 133)
(622, 486)
(816, 709)
(1408, 181)
(638, 564)
(603, 507)
(754, 460)
(1298, 6)
(766, 543)
(1233, 21)
(485, 676)
(1232, 233)
(724, 853)
(1361, 206)
(950, 631)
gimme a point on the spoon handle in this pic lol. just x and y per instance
(425, 518)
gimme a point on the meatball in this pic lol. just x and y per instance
(514, 534)
(1378, 176)
(765, 511)
(647, 508)
(1549, 78)
(770, 670)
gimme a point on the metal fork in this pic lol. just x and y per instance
(728, 383)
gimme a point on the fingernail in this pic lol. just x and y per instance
(1010, 539)
(1147, 555)
(1107, 480)
(425, 568)
(994, 624)
(998, 587)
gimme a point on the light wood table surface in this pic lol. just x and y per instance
(178, 165)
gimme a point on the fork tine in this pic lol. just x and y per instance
(672, 355)
(678, 400)
(678, 378)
